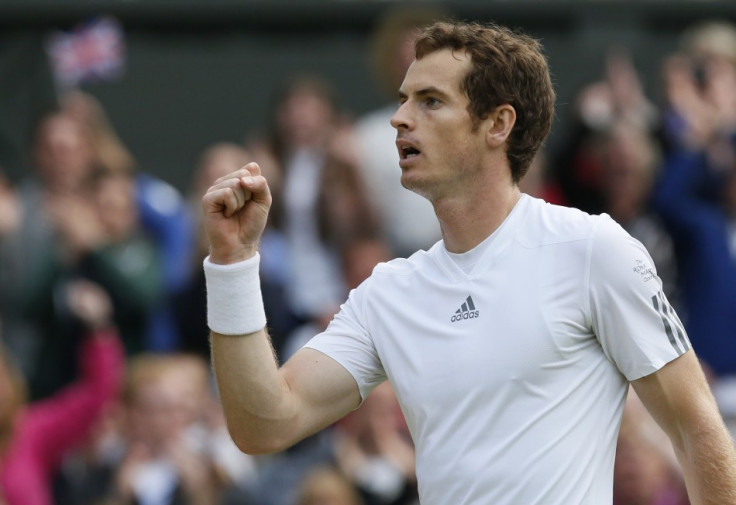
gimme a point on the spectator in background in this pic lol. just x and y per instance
(33, 438)
(63, 160)
(374, 450)
(630, 162)
(312, 144)
(407, 220)
(696, 195)
(619, 97)
(162, 213)
(175, 449)
(98, 240)
(217, 161)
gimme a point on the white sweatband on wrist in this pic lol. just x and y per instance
(234, 301)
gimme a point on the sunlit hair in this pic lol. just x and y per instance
(148, 368)
(711, 38)
(507, 68)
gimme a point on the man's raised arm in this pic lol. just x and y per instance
(267, 408)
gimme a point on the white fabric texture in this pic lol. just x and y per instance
(512, 372)
(234, 300)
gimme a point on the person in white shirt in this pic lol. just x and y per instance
(510, 343)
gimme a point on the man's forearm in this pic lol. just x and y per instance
(254, 394)
(708, 460)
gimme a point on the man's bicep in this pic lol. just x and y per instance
(678, 397)
(322, 388)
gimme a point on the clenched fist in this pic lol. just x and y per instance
(235, 212)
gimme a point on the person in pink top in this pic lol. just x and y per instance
(34, 438)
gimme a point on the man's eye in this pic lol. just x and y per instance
(432, 102)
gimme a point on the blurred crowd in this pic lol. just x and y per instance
(106, 394)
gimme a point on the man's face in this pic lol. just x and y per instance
(438, 147)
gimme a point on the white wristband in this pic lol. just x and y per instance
(234, 301)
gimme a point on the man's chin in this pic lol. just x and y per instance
(414, 185)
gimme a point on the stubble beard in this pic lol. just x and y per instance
(416, 186)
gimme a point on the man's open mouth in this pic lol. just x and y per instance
(408, 152)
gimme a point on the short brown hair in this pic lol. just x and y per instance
(507, 68)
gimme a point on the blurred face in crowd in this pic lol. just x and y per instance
(218, 161)
(158, 414)
(63, 152)
(168, 396)
(305, 117)
(629, 160)
(114, 197)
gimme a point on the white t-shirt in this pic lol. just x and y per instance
(512, 376)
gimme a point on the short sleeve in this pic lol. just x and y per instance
(630, 314)
(347, 341)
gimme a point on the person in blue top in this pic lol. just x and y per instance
(696, 194)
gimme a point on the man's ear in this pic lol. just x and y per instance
(502, 122)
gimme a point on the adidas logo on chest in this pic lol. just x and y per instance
(466, 311)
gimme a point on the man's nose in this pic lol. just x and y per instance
(401, 118)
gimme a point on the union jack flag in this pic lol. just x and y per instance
(91, 52)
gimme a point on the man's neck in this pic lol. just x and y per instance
(469, 219)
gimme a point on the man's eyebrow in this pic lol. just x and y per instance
(430, 90)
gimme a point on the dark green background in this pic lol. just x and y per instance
(199, 71)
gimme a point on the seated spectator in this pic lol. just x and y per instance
(161, 211)
(373, 449)
(216, 161)
(35, 437)
(98, 240)
(62, 161)
(173, 448)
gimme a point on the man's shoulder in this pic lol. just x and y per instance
(548, 223)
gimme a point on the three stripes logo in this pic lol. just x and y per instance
(672, 325)
(466, 311)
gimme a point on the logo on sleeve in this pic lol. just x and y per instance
(646, 272)
(466, 311)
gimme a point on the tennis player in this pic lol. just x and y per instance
(510, 344)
